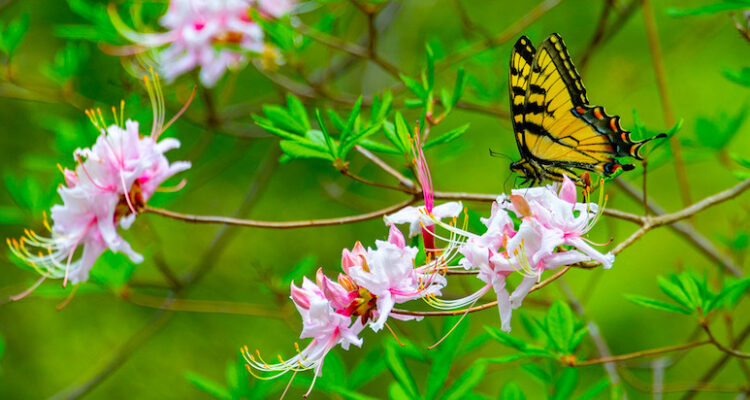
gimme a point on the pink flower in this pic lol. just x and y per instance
(215, 35)
(113, 180)
(388, 273)
(322, 323)
(417, 217)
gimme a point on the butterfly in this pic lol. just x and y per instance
(556, 128)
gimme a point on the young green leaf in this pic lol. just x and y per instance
(215, 389)
(727, 5)
(565, 384)
(400, 372)
(298, 150)
(560, 325)
(447, 137)
(577, 338)
(283, 119)
(397, 392)
(298, 111)
(657, 305)
(379, 147)
(595, 390)
(371, 366)
(12, 35)
(430, 68)
(741, 76)
(511, 391)
(458, 89)
(675, 292)
(403, 132)
(329, 141)
(415, 87)
(506, 338)
(465, 383)
(537, 372)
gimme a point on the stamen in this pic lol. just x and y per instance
(29, 290)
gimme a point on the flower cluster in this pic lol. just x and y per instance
(549, 236)
(529, 231)
(112, 181)
(335, 312)
(214, 35)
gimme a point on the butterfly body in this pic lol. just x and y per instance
(555, 127)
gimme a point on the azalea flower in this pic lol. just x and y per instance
(215, 35)
(322, 323)
(388, 273)
(113, 180)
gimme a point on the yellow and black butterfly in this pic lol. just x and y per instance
(555, 127)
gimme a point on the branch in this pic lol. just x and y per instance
(701, 205)
(658, 64)
(404, 181)
(712, 339)
(202, 219)
(642, 353)
(684, 230)
(200, 306)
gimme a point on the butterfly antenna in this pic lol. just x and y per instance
(498, 154)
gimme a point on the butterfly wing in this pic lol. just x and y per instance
(560, 129)
(521, 58)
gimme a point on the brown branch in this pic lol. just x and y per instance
(402, 180)
(684, 230)
(201, 219)
(359, 179)
(716, 367)
(666, 105)
(199, 306)
(701, 205)
(712, 339)
(642, 353)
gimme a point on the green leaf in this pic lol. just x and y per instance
(560, 325)
(430, 68)
(566, 384)
(297, 109)
(415, 87)
(349, 127)
(348, 394)
(506, 339)
(371, 366)
(12, 35)
(283, 119)
(726, 5)
(445, 99)
(729, 294)
(595, 390)
(657, 305)
(397, 392)
(297, 150)
(215, 389)
(675, 292)
(329, 141)
(537, 372)
(403, 132)
(577, 338)
(458, 89)
(444, 354)
(400, 372)
(447, 137)
(466, 382)
(267, 125)
(741, 76)
(511, 391)
(506, 359)
(691, 289)
(338, 123)
(379, 147)
(530, 326)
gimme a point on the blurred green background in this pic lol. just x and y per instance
(47, 351)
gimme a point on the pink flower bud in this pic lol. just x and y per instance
(396, 237)
(568, 190)
(300, 297)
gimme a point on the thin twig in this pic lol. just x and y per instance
(666, 105)
(684, 230)
(201, 219)
(642, 353)
(200, 306)
(712, 339)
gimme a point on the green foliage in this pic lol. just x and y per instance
(12, 34)
(741, 76)
(693, 295)
(237, 385)
(98, 28)
(723, 6)
(563, 334)
(716, 133)
(67, 63)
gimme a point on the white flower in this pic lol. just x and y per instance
(414, 216)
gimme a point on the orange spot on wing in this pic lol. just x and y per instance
(613, 124)
(598, 113)
(580, 110)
